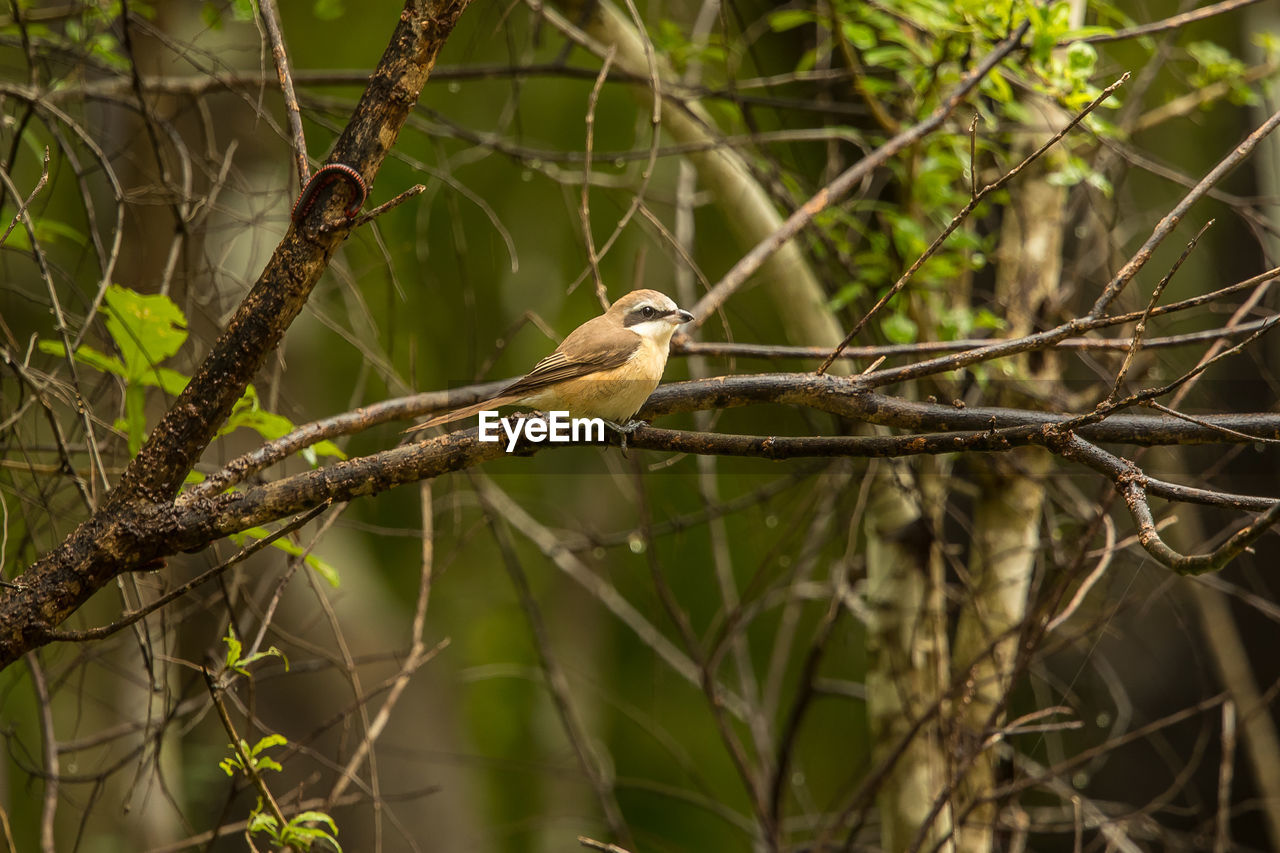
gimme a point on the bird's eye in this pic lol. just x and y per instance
(648, 311)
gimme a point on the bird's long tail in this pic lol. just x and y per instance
(465, 412)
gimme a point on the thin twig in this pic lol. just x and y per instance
(22, 208)
(370, 215)
(1171, 219)
(1135, 497)
(270, 16)
(600, 845)
(1141, 397)
(93, 551)
(1200, 97)
(584, 208)
(1140, 329)
(417, 657)
(592, 765)
(973, 158)
(960, 217)
(655, 130)
(1049, 337)
(1226, 770)
(752, 780)
(600, 589)
(247, 764)
(346, 423)
(10, 845)
(1245, 309)
(752, 260)
(418, 652)
(1108, 551)
(1171, 23)
(204, 577)
(1174, 413)
(49, 753)
(685, 347)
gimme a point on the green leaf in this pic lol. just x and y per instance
(1087, 32)
(859, 35)
(298, 834)
(211, 16)
(984, 319)
(889, 56)
(790, 19)
(267, 742)
(268, 763)
(170, 381)
(1081, 58)
(328, 10)
(46, 231)
(260, 821)
(293, 549)
(243, 10)
(899, 328)
(317, 817)
(234, 648)
(324, 569)
(146, 329)
(248, 413)
(321, 448)
(267, 424)
(234, 660)
(326, 448)
(85, 355)
(808, 60)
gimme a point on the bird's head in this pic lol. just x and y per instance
(649, 314)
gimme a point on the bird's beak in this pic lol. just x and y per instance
(679, 317)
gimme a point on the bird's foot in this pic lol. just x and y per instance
(623, 430)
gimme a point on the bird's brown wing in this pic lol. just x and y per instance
(591, 347)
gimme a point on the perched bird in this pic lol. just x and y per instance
(605, 369)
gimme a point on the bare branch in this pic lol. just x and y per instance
(64, 578)
(959, 218)
(270, 18)
(1170, 221)
(26, 203)
(751, 261)
(1171, 23)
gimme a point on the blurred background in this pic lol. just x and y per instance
(663, 652)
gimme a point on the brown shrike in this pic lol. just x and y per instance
(605, 369)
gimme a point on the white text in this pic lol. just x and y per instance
(558, 427)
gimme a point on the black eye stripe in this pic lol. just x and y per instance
(643, 314)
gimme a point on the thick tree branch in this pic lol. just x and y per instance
(851, 397)
(151, 531)
(296, 265)
(110, 541)
(846, 397)
(142, 532)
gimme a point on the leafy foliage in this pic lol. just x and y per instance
(304, 829)
(253, 755)
(146, 330)
(299, 833)
(236, 662)
(1216, 64)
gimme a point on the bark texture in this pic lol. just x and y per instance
(117, 538)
